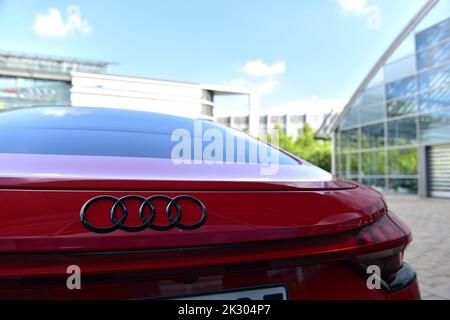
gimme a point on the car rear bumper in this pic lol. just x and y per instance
(314, 268)
(410, 292)
(303, 281)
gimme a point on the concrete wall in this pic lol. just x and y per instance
(183, 99)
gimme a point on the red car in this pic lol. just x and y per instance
(94, 205)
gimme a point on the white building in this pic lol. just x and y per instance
(291, 117)
(29, 80)
(170, 97)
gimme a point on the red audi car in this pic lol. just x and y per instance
(116, 204)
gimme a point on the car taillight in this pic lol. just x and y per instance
(382, 234)
(389, 261)
(387, 239)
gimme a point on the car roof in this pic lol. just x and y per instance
(95, 118)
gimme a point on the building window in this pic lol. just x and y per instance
(403, 162)
(436, 78)
(434, 56)
(373, 163)
(350, 164)
(224, 121)
(298, 119)
(207, 110)
(375, 183)
(371, 96)
(435, 127)
(403, 186)
(435, 100)
(434, 35)
(349, 140)
(372, 113)
(401, 88)
(402, 132)
(337, 140)
(36, 64)
(372, 136)
(339, 169)
(241, 120)
(401, 107)
(351, 118)
(25, 92)
(400, 69)
(263, 121)
(278, 120)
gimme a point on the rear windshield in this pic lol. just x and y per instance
(125, 133)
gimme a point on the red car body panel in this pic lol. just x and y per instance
(325, 281)
(31, 224)
(298, 228)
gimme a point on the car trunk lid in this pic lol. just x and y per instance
(42, 197)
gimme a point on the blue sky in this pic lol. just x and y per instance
(290, 50)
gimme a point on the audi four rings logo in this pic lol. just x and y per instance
(173, 211)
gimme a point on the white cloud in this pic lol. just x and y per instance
(52, 24)
(361, 8)
(262, 86)
(264, 78)
(258, 68)
(260, 76)
(267, 86)
(353, 6)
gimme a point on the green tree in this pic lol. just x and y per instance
(281, 139)
(306, 146)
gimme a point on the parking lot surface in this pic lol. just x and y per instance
(429, 252)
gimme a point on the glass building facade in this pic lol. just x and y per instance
(47, 64)
(30, 80)
(22, 92)
(386, 134)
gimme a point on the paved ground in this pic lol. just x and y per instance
(429, 252)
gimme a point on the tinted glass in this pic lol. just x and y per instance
(20, 92)
(372, 113)
(405, 186)
(401, 106)
(370, 96)
(403, 162)
(118, 133)
(373, 163)
(436, 99)
(337, 140)
(375, 183)
(402, 132)
(434, 56)
(372, 136)
(350, 164)
(351, 118)
(434, 35)
(435, 127)
(435, 78)
(401, 88)
(400, 69)
(349, 139)
(339, 167)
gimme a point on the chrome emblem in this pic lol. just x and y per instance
(173, 211)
